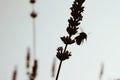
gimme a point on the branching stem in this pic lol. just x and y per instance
(60, 64)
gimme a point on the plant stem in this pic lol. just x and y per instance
(65, 48)
(59, 70)
(60, 63)
(34, 39)
(34, 33)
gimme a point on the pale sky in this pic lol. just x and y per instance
(100, 20)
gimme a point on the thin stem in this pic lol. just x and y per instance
(59, 70)
(34, 39)
(65, 48)
(34, 35)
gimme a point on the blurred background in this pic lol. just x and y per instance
(100, 21)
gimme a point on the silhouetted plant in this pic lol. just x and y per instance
(31, 75)
(28, 58)
(14, 77)
(53, 68)
(33, 15)
(101, 71)
(62, 53)
(72, 29)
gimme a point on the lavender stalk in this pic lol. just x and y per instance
(72, 29)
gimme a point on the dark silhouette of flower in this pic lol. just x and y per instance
(33, 14)
(15, 74)
(73, 22)
(76, 17)
(80, 38)
(62, 55)
(67, 40)
(80, 1)
(60, 49)
(32, 1)
(72, 30)
(34, 70)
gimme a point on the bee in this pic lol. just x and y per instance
(80, 38)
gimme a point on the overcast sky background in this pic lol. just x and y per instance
(100, 20)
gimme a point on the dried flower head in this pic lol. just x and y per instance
(76, 17)
(77, 9)
(32, 1)
(62, 55)
(67, 40)
(33, 14)
(72, 30)
(73, 22)
(60, 49)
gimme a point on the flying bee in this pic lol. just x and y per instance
(81, 37)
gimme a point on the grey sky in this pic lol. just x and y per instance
(100, 20)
